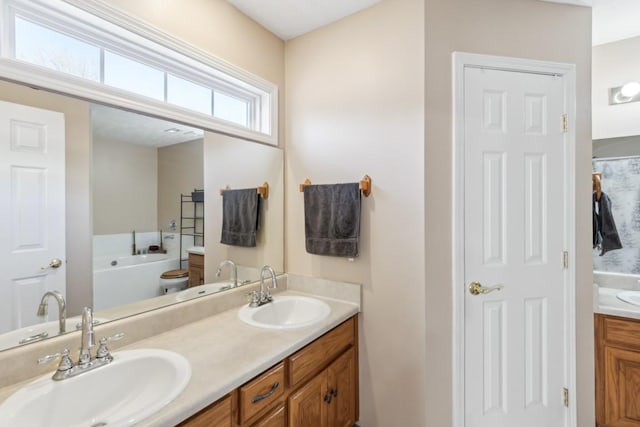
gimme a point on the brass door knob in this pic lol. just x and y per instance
(55, 263)
(476, 288)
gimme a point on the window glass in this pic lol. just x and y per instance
(230, 108)
(189, 95)
(41, 46)
(127, 74)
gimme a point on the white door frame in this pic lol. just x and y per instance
(567, 71)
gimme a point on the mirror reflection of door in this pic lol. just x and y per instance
(32, 251)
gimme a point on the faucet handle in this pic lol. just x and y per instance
(65, 360)
(255, 298)
(103, 352)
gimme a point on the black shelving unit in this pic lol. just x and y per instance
(192, 219)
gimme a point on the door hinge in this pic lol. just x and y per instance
(565, 260)
(565, 396)
(564, 123)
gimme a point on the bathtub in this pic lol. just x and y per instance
(119, 280)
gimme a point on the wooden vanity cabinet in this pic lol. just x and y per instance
(617, 361)
(329, 398)
(196, 270)
(218, 414)
(315, 387)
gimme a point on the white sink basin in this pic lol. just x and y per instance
(632, 297)
(134, 386)
(286, 312)
(201, 290)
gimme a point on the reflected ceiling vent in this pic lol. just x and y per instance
(630, 92)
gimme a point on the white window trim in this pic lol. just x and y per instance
(173, 55)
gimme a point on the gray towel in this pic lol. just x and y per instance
(240, 217)
(332, 219)
(605, 233)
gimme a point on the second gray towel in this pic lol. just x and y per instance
(240, 217)
(332, 219)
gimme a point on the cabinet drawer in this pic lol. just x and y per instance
(621, 332)
(261, 392)
(315, 356)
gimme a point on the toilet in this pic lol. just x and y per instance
(174, 281)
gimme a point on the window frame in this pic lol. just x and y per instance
(96, 23)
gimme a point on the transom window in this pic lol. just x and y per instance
(83, 49)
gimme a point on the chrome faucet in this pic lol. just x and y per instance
(62, 308)
(234, 270)
(66, 368)
(264, 297)
(87, 341)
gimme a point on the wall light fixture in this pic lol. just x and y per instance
(629, 92)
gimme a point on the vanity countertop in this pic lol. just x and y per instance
(606, 302)
(224, 353)
(196, 250)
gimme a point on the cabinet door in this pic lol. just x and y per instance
(275, 419)
(341, 385)
(215, 415)
(622, 387)
(196, 270)
(307, 406)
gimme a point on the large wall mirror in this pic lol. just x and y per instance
(616, 152)
(125, 173)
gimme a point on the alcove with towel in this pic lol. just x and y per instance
(241, 215)
(605, 233)
(332, 217)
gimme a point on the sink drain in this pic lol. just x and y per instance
(100, 424)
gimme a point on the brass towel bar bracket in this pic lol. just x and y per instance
(262, 190)
(364, 185)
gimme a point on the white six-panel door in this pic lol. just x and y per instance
(515, 350)
(32, 215)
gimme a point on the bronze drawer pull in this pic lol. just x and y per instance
(260, 397)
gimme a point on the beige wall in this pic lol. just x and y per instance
(615, 64)
(519, 28)
(355, 106)
(125, 187)
(78, 209)
(180, 171)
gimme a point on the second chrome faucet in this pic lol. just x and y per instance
(264, 296)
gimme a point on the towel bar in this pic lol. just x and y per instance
(262, 190)
(364, 185)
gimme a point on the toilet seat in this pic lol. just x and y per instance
(175, 274)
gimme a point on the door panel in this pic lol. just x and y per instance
(514, 240)
(33, 220)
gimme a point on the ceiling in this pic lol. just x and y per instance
(290, 18)
(116, 125)
(615, 20)
(612, 19)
